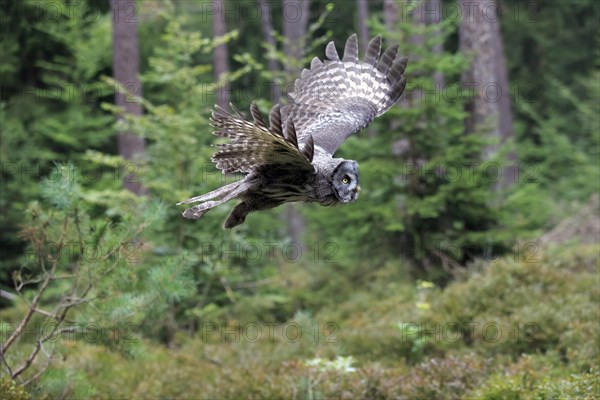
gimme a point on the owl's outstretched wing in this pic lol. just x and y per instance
(254, 145)
(336, 98)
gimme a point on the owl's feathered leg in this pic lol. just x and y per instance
(222, 195)
(237, 216)
(239, 213)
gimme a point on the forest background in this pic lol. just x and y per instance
(468, 268)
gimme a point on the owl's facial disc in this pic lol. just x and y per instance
(345, 181)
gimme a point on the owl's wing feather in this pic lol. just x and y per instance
(336, 98)
(252, 145)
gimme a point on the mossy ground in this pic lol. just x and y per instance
(508, 329)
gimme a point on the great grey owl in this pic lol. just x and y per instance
(291, 160)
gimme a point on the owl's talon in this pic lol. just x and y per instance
(233, 221)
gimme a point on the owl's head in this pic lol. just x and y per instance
(345, 181)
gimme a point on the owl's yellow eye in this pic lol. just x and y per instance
(346, 181)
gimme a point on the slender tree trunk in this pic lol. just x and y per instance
(221, 54)
(362, 8)
(295, 24)
(505, 122)
(476, 39)
(434, 17)
(272, 64)
(363, 30)
(487, 79)
(126, 67)
(418, 41)
(390, 14)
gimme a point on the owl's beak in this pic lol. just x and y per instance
(357, 189)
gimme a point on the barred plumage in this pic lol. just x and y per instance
(253, 144)
(292, 158)
(337, 98)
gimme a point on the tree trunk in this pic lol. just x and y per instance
(434, 17)
(505, 122)
(418, 41)
(363, 31)
(295, 24)
(486, 81)
(220, 60)
(390, 14)
(126, 67)
(272, 64)
(476, 38)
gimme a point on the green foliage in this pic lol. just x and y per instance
(52, 114)
(556, 105)
(530, 378)
(558, 164)
(11, 391)
(89, 271)
(138, 271)
(272, 366)
(60, 188)
(529, 305)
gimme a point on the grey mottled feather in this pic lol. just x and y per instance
(337, 97)
(373, 50)
(275, 120)
(309, 148)
(257, 116)
(252, 145)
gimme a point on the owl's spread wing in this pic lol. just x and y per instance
(336, 98)
(254, 145)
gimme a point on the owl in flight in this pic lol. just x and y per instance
(291, 159)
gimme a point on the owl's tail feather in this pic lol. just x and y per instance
(222, 195)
